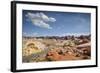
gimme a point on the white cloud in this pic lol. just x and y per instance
(52, 19)
(76, 34)
(24, 33)
(40, 19)
(35, 34)
(30, 34)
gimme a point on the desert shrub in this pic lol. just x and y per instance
(69, 43)
(76, 42)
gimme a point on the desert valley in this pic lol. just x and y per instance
(55, 48)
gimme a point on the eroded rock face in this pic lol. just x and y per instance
(87, 51)
(69, 53)
(37, 44)
(86, 48)
(32, 47)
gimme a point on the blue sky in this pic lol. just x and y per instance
(48, 23)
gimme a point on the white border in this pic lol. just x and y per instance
(21, 65)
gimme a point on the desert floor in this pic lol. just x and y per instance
(51, 49)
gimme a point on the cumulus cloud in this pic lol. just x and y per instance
(40, 19)
(30, 34)
(34, 34)
(75, 34)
